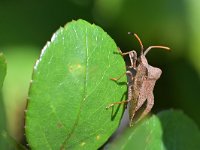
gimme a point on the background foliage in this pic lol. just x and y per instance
(25, 27)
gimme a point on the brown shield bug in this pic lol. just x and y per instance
(141, 81)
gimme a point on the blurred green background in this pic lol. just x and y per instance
(26, 26)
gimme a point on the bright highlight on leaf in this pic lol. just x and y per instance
(71, 88)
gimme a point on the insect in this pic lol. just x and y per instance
(141, 81)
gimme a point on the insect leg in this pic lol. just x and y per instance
(126, 53)
(126, 101)
(132, 56)
(128, 73)
(122, 102)
(116, 79)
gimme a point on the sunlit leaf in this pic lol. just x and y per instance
(71, 88)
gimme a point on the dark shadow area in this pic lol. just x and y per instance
(117, 53)
(115, 110)
(179, 88)
(119, 83)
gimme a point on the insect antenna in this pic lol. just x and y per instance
(150, 47)
(137, 37)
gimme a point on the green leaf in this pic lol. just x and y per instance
(180, 132)
(71, 88)
(2, 69)
(146, 135)
(20, 60)
(3, 144)
(10, 143)
(6, 141)
(171, 130)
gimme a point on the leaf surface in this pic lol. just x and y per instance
(180, 131)
(3, 144)
(71, 88)
(146, 135)
(170, 130)
(2, 69)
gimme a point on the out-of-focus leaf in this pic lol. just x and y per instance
(71, 88)
(10, 143)
(147, 135)
(179, 131)
(2, 69)
(3, 144)
(20, 61)
(194, 22)
(104, 7)
(168, 130)
(184, 88)
(6, 141)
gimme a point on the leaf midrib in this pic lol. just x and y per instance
(84, 95)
